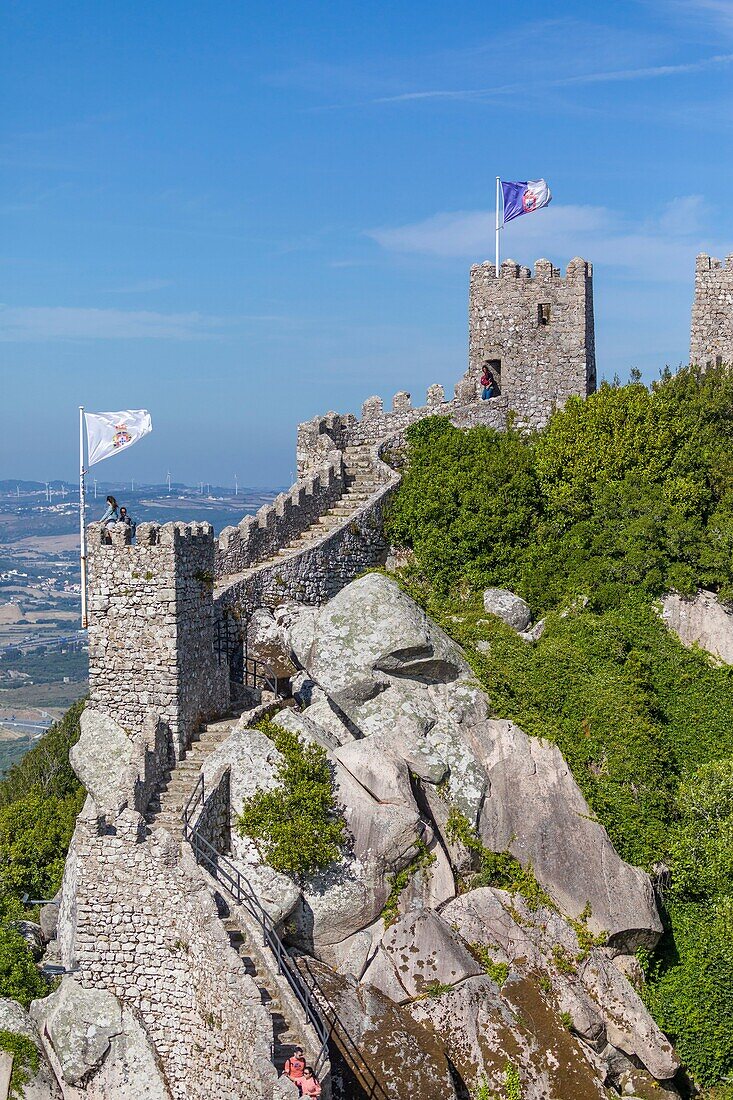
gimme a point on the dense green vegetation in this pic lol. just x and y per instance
(296, 826)
(632, 490)
(25, 1061)
(39, 800)
(621, 498)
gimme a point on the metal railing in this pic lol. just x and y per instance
(259, 674)
(230, 877)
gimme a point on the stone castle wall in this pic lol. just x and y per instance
(711, 335)
(144, 926)
(152, 628)
(259, 537)
(377, 425)
(319, 571)
(539, 328)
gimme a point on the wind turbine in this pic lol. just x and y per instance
(168, 479)
(236, 486)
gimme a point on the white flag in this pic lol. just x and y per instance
(110, 433)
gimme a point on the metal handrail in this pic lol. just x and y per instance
(234, 882)
(262, 674)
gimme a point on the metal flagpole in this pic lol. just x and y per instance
(498, 227)
(82, 525)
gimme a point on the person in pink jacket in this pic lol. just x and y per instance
(308, 1084)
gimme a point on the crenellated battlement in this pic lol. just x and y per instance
(151, 534)
(703, 262)
(544, 271)
(711, 334)
(260, 536)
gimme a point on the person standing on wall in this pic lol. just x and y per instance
(489, 387)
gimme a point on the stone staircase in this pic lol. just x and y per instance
(284, 1039)
(165, 811)
(362, 481)
(166, 805)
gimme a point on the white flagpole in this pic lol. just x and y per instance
(498, 227)
(82, 524)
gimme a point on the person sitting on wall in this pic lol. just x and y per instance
(111, 515)
(309, 1086)
(489, 387)
(294, 1067)
(128, 521)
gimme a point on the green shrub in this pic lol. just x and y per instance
(496, 970)
(39, 800)
(630, 490)
(26, 1061)
(297, 827)
(401, 880)
(690, 988)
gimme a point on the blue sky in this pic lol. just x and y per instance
(239, 215)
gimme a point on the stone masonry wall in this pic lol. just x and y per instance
(317, 573)
(377, 425)
(540, 328)
(151, 627)
(711, 336)
(259, 537)
(145, 928)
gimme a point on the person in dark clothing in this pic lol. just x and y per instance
(128, 521)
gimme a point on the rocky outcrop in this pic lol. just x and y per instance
(406, 689)
(604, 1007)
(701, 621)
(398, 1057)
(42, 1085)
(511, 609)
(534, 809)
(409, 736)
(96, 1046)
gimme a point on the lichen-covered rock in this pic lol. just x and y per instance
(511, 609)
(43, 1085)
(98, 1045)
(701, 621)
(418, 953)
(602, 1004)
(33, 935)
(266, 642)
(534, 809)
(397, 1056)
(483, 1031)
(79, 1024)
(104, 758)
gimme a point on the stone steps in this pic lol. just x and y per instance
(284, 1039)
(165, 808)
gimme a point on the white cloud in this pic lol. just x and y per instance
(610, 76)
(41, 323)
(663, 248)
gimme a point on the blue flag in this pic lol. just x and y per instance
(524, 196)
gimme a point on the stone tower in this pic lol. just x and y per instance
(152, 628)
(537, 331)
(711, 335)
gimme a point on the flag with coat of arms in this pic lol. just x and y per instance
(524, 197)
(108, 433)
